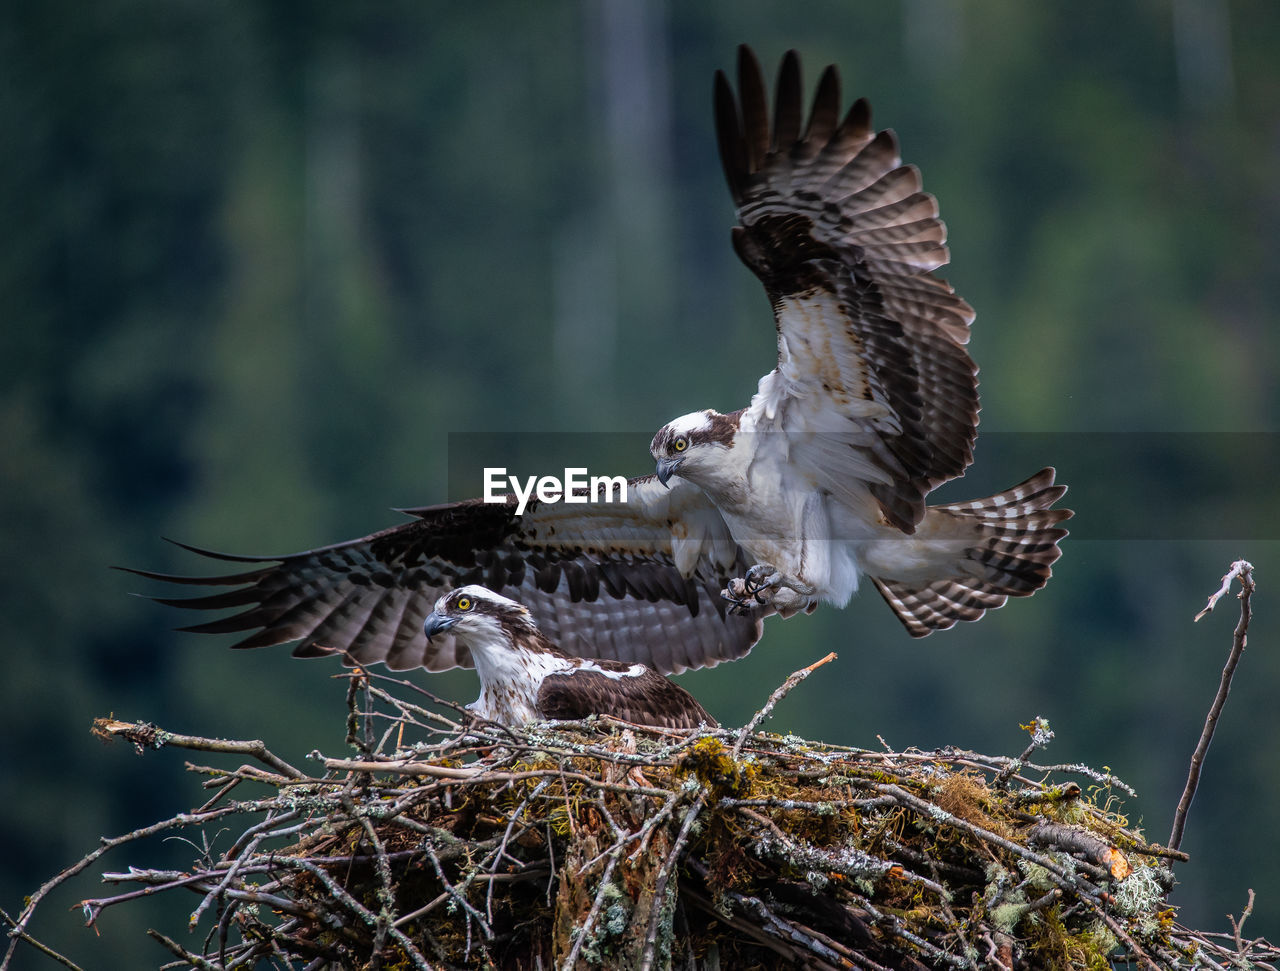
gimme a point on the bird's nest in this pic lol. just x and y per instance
(446, 843)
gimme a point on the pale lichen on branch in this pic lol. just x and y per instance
(573, 845)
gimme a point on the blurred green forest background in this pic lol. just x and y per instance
(261, 260)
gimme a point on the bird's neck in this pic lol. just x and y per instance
(511, 672)
(725, 479)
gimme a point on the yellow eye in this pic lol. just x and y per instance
(680, 444)
(464, 603)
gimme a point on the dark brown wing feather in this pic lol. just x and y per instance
(600, 583)
(645, 699)
(844, 240)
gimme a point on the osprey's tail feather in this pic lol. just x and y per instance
(1010, 541)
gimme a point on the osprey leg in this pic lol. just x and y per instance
(761, 585)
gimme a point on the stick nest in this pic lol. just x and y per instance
(452, 844)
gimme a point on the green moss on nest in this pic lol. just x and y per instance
(712, 764)
(597, 845)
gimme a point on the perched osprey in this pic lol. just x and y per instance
(874, 400)
(524, 678)
(872, 405)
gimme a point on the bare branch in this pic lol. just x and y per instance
(145, 736)
(1237, 925)
(1041, 735)
(1243, 570)
(19, 934)
(774, 698)
(1238, 569)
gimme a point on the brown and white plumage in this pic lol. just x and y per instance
(637, 581)
(525, 678)
(873, 402)
(872, 405)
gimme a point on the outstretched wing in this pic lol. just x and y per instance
(633, 581)
(873, 387)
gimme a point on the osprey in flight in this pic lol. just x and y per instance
(822, 479)
(874, 401)
(524, 678)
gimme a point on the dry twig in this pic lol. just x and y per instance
(782, 691)
(1244, 570)
(574, 846)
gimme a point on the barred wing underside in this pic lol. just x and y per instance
(635, 581)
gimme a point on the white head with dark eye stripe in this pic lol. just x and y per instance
(476, 615)
(693, 445)
(524, 678)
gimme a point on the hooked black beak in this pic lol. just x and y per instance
(666, 469)
(437, 624)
